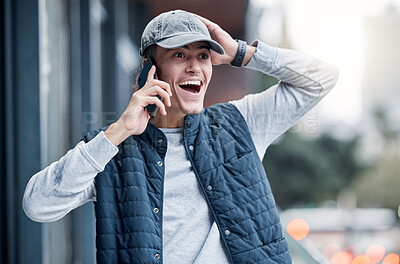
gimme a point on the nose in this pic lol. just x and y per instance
(193, 66)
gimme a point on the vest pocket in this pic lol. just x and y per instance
(240, 163)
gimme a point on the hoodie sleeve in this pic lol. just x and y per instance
(303, 82)
(69, 182)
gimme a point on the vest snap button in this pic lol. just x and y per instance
(159, 163)
(157, 256)
(160, 141)
(209, 188)
(191, 147)
(156, 210)
(227, 232)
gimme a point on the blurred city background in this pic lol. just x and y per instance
(68, 66)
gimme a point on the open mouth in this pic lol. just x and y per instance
(191, 86)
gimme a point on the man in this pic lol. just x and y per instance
(187, 186)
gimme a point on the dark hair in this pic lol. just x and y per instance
(149, 53)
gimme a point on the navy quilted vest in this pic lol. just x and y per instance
(130, 192)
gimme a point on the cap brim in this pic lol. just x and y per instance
(185, 39)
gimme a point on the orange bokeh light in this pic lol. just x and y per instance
(342, 257)
(361, 260)
(391, 259)
(298, 228)
(375, 253)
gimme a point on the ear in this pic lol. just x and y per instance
(144, 61)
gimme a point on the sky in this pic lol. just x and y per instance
(332, 30)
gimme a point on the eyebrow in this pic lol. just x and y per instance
(205, 47)
(199, 47)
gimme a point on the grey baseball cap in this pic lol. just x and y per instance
(176, 29)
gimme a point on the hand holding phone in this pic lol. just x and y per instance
(134, 119)
(152, 109)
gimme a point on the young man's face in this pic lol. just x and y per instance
(188, 71)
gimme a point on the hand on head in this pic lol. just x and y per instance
(224, 39)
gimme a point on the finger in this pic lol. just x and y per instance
(164, 86)
(156, 90)
(203, 19)
(167, 98)
(157, 87)
(155, 100)
(209, 24)
(150, 75)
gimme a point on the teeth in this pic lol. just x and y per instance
(190, 83)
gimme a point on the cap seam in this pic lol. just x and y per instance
(159, 26)
(192, 24)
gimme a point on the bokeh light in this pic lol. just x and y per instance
(391, 259)
(361, 260)
(342, 257)
(298, 228)
(330, 250)
(375, 253)
(352, 250)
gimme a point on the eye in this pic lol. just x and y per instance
(203, 56)
(179, 55)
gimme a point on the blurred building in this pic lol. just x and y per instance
(381, 83)
(381, 79)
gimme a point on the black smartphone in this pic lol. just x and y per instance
(152, 109)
